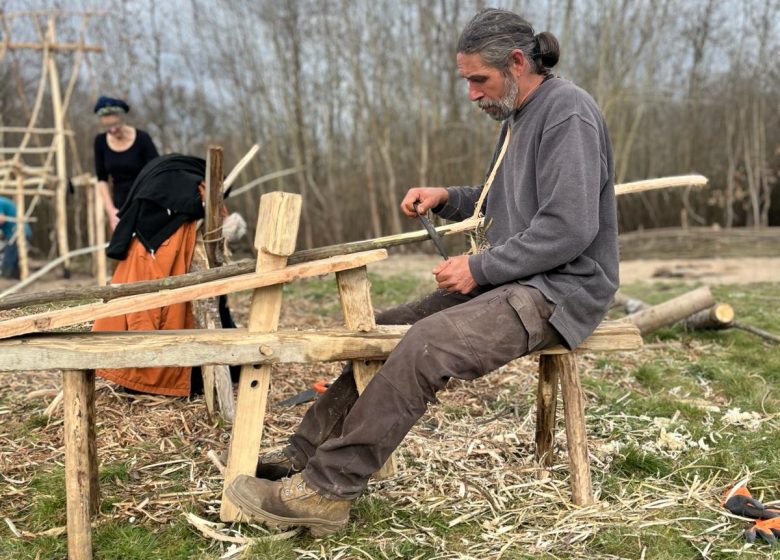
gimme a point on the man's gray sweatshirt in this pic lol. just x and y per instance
(551, 209)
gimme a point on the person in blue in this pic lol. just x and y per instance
(9, 259)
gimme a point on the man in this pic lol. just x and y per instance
(546, 278)
(9, 266)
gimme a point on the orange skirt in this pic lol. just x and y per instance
(172, 258)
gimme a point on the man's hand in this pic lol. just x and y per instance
(454, 275)
(428, 197)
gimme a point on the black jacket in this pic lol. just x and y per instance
(163, 197)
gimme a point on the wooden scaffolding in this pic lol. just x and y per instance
(34, 164)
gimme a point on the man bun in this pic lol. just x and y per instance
(548, 48)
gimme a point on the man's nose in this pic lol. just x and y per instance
(475, 92)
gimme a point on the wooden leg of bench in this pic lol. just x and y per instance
(364, 370)
(80, 468)
(576, 437)
(355, 294)
(94, 481)
(277, 228)
(546, 399)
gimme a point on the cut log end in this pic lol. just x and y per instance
(716, 317)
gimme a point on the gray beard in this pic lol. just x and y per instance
(504, 106)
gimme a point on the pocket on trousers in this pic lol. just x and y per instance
(526, 310)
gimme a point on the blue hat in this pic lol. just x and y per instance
(109, 106)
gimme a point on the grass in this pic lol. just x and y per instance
(664, 432)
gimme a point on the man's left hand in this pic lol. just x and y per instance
(454, 275)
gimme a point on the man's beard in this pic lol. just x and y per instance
(502, 108)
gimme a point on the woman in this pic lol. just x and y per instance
(155, 238)
(120, 154)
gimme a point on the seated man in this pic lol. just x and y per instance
(9, 265)
(547, 277)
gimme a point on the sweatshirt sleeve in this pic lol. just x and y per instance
(461, 203)
(463, 200)
(569, 168)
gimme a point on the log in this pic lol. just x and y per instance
(661, 183)
(48, 320)
(107, 293)
(719, 316)
(671, 311)
(66, 350)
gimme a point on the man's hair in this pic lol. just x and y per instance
(494, 34)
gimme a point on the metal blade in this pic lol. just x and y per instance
(435, 237)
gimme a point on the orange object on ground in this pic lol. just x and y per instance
(172, 258)
(739, 501)
(766, 529)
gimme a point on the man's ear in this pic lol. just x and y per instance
(517, 62)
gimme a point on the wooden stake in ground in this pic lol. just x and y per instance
(277, 229)
(209, 254)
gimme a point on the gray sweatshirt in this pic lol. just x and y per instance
(551, 208)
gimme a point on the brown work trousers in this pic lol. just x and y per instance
(343, 439)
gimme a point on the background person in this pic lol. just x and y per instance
(9, 260)
(120, 154)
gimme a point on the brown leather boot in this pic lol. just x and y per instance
(273, 465)
(288, 502)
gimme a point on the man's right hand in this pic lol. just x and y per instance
(428, 197)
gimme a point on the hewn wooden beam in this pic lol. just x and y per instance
(236, 346)
(74, 315)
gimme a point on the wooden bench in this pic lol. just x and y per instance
(256, 349)
(70, 352)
